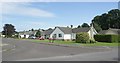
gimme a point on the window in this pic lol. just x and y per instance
(60, 35)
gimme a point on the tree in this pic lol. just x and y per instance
(78, 26)
(96, 26)
(67, 26)
(108, 20)
(32, 29)
(8, 30)
(50, 29)
(71, 26)
(85, 25)
(38, 33)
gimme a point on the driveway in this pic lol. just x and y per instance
(24, 50)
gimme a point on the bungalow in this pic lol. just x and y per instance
(26, 34)
(46, 34)
(110, 31)
(65, 33)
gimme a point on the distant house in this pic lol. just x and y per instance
(26, 34)
(46, 34)
(66, 33)
(110, 31)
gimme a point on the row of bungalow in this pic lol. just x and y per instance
(65, 33)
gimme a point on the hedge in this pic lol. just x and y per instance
(119, 38)
(107, 38)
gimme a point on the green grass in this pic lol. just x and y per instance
(101, 44)
(74, 43)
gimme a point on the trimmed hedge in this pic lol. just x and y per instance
(82, 37)
(119, 38)
(107, 38)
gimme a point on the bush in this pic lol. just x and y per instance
(82, 37)
(106, 38)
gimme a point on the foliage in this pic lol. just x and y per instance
(32, 29)
(78, 26)
(85, 25)
(82, 37)
(38, 33)
(106, 38)
(97, 27)
(50, 29)
(71, 26)
(107, 20)
(8, 30)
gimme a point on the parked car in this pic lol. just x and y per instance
(32, 37)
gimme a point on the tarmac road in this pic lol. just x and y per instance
(25, 50)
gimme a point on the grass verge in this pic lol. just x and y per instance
(77, 44)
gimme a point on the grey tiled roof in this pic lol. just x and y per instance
(77, 30)
(66, 30)
(115, 31)
(103, 32)
(47, 32)
(27, 32)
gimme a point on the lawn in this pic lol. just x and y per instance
(74, 43)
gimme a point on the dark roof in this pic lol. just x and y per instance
(27, 32)
(115, 31)
(103, 32)
(77, 30)
(66, 30)
(47, 32)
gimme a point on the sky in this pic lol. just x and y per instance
(44, 15)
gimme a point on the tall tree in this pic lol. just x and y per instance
(97, 27)
(108, 20)
(38, 33)
(32, 29)
(78, 26)
(71, 26)
(50, 29)
(85, 25)
(8, 30)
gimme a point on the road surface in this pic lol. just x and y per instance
(26, 50)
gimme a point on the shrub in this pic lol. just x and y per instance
(106, 38)
(82, 37)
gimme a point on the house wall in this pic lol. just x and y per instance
(57, 31)
(24, 36)
(27, 36)
(21, 36)
(67, 37)
(92, 32)
(73, 35)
